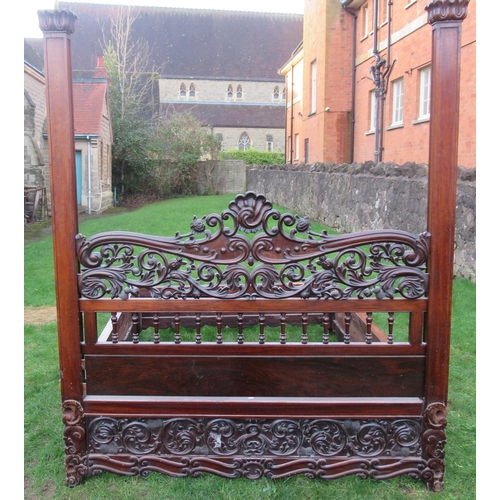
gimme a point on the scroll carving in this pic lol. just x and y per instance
(285, 259)
(76, 442)
(446, 10)
(254, 448)
(255, 437)
(433, 442)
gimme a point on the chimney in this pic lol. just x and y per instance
(100, 70)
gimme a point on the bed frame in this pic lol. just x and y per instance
(248, 344)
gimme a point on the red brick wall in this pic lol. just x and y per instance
(314, 49)
(328, 40)
(410, 53)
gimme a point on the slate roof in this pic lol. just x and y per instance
(89, 101)
(233, 115)
(194, 42)
(33, 53)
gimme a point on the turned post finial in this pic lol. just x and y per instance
(57, 20)
(446, 10)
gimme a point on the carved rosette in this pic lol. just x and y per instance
(446, 10)
(285, 259)
(76, 442)
(433, 441)
(62, 20)
(253, 448)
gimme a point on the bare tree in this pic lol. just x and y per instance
(132, 98)
(127, 59)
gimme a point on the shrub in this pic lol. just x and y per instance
(254, 157)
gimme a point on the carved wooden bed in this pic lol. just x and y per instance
(246, 345)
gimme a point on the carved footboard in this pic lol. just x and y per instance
(248, 346)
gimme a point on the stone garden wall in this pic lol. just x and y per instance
(366, 196)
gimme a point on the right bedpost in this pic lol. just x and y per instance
(445, 17)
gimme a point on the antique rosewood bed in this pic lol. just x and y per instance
(249, 345)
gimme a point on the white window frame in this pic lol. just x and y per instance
(314, 74)
(397, 101)
(383, 12)
(366, 24)
(424, 108)
(373, 118)
(297, 143)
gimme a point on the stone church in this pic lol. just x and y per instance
(222, 66)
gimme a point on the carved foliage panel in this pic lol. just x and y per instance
(256, 437)
(316, 447)
(285, 258)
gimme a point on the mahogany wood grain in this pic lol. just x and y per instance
(446, 21)
(57, 28)
(251, 349)
(252, 406)
(266, 376)
(256, 306)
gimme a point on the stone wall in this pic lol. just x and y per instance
(366, 196)
(36, 161)
(222, 177)
(215, 90)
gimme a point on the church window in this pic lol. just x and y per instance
(276, 94)
(230, 92)
(244, 142)
(182, 91)
(239, 92)
(192, 90)
(269, 142)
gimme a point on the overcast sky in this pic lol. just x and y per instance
(30, 8)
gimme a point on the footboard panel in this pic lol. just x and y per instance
(255, 376)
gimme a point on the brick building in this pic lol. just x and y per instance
(352, 96)
(222, 66)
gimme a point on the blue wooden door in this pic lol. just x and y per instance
(78, 177)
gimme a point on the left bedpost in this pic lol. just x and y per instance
(57, 27)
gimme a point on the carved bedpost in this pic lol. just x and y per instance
(445, 17)
(57, 27)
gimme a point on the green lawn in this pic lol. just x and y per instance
(44, 447)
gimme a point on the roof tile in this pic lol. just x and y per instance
(193, 42)
(89, 100)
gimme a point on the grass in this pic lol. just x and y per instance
(44, 447)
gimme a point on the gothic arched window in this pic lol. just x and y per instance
(192, 90)
(276, 94)
(244, 142)
(182, 91)
(230, 92)
(239, 92)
